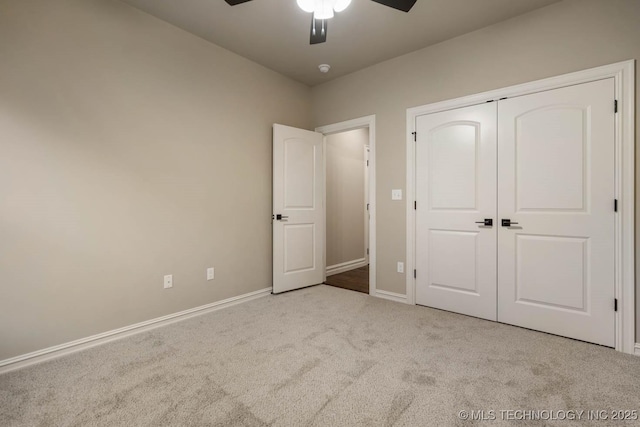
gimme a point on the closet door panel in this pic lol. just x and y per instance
(556, 186)
(455, 193)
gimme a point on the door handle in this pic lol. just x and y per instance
(282, 217)
(488, 222)
(506, 222)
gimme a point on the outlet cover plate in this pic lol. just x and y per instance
(168, 281)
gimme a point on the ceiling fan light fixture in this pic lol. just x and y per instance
(323, 9)
(341, 5)
(307, 5)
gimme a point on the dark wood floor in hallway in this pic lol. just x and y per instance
(354, 280)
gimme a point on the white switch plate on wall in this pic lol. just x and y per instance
(396, 194)
(168, 281)
(400, 267)
(210, 273)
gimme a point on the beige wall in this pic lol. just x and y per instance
(129, 149)
(345, 196)
(568, 36)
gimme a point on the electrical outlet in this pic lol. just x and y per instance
(400, 267)
(210, 273)
(396, 194)
(168, 281)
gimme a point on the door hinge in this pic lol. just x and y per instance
(367, 206)
(367, 251)
(415, 275)
(615, 205)
(415, 205)
(615, 106)
(415, 136)
(615, 304)
(367, 162)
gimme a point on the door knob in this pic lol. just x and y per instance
(282, 217)
(506, 222)
(488, 222)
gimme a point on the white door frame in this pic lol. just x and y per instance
(360, 123)
(366, 202)
(623, 75)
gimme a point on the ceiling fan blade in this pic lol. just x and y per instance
(318, 31)
(235, 2)
(403, 5)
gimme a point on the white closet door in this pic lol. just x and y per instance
(556, 181)
(456, 189)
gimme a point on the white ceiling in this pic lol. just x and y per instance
(275, 33)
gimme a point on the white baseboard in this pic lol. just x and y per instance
(116, 334)
(391, 296)
(346, 266)
(637, 349)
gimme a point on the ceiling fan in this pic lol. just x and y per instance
(323, 11)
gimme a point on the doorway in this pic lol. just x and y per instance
(347, 216)
(350, 204)
(299, 206)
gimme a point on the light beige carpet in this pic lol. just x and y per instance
(321, 356)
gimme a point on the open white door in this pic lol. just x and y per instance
(298, 210)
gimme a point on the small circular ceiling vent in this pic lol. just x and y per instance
(324, 68)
